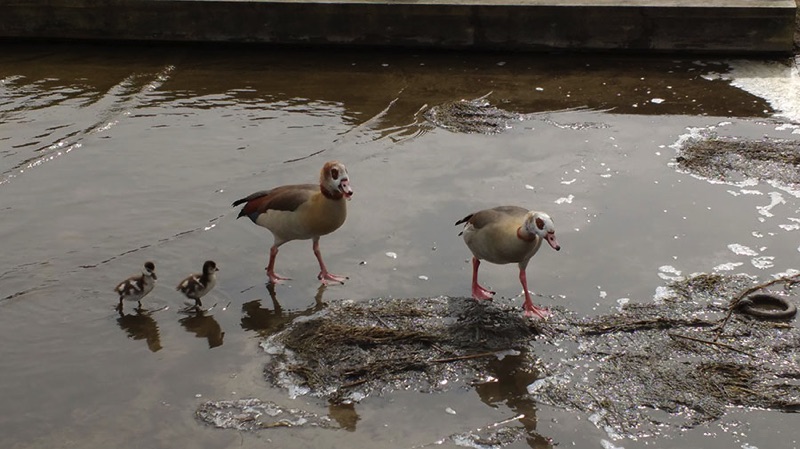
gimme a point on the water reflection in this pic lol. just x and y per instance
(204, 326)
(76, 98)
(267, 321)
(513, 375)
(345, 415)
(141, 326)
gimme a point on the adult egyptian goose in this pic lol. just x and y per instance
(137, 287)
(507, 234)
(302, 212)
(197, 285)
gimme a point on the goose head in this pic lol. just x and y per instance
(334, 181)
(540, 224)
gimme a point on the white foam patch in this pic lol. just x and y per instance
(662, 293)
(669, 273)
(791, 227)
(742, 250)
(788, 273)
(775, 82)
(693, 133)
(775, 199)
(609, 445)
(730, 266)
(567, 200)
(788, 127)
(763, 262)
(795, 192)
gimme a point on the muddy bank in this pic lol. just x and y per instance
(643, 370)
(356, 349)
(677, 363)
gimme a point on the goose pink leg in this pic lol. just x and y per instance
(478, 292)
(274, 278)
(530, 309)
(324, 275)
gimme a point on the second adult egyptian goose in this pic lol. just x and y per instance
(507, 234)
(302, 212)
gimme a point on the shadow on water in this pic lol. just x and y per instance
(141, 326)
(266, 322)
(204, 326)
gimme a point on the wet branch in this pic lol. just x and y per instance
(709, 342)
(464, 357)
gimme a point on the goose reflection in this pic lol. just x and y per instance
(513, 375)
(345, 415)
(204, 326)
(267, 321)
(141, 326)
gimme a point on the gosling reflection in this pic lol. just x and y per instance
(267, 321)
(204, 326)
(513, 376)
(141, 326)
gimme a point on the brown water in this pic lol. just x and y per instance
(111, 156)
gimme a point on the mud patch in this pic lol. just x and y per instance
(355, 349)
(471, 116)
(734, 160)
(648, 370)
(655, 368)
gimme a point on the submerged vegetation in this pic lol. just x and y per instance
(677, 362)
(386, 344)
(728, 159)
(471, 116)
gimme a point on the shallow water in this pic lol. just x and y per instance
(111, 156)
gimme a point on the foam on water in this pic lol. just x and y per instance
(775, 82)
(729, 266)
(669, 273)
(567, 199)
(741, 250)
(791, 227)
(763, 262)
(775, 199)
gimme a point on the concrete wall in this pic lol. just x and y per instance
(681, 25)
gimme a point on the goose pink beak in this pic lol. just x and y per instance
(551, 239)
(345, 188)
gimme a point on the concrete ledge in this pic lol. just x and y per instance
(710, 26)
